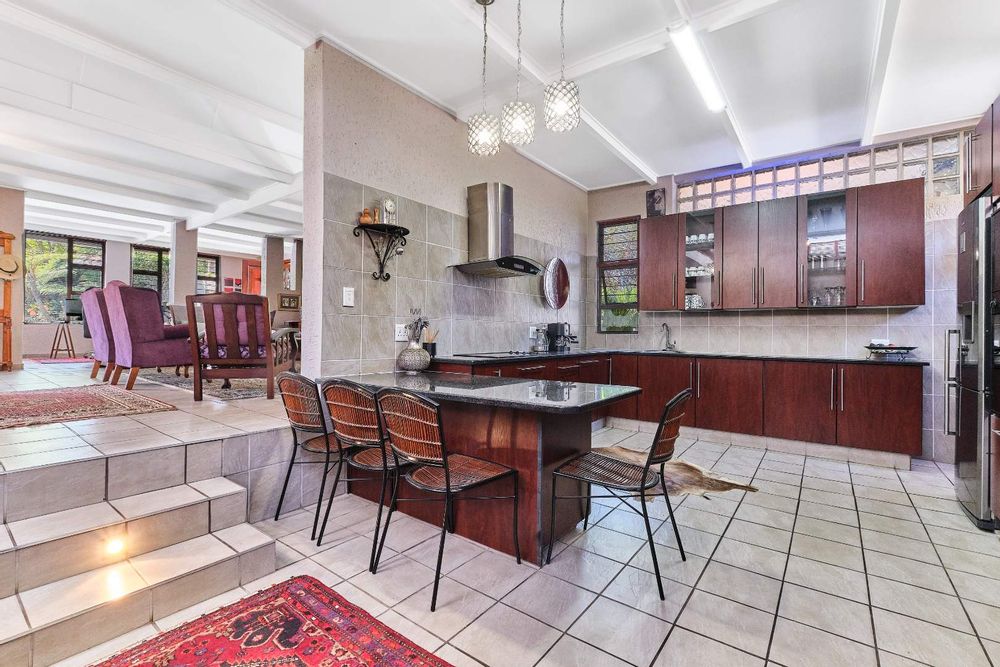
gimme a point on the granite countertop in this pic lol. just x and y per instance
(538, 395)
(545, 356)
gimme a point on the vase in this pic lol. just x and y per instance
(413, 358)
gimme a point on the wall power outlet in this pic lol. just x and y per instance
(401, 333)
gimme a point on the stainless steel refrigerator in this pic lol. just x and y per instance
(969, 364)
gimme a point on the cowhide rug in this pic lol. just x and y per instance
(679, 476)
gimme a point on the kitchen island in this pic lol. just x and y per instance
(529, 425)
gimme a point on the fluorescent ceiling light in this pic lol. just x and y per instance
(697, 66)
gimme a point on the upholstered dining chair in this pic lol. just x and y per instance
(95, 313)
(237, 341)
(630, 479)
(356, 423)
(141, 338)
(311, 434)
(415, 434)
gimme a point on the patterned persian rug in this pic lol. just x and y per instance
(240, 387)
(297, 623)
(48, 406)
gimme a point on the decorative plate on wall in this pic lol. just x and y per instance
(556, 283)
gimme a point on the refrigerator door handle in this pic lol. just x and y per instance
(948, 386)
(948, 377)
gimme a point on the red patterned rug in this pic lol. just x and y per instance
(298, 623)
(49, 406)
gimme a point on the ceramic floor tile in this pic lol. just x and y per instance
(397, 579)
(65, 597)
(899, 546)
(980, 542)
(893, 526)
(906, 512)
(735, 624)
(986, 619)
(552, 600)
(771, 501)
(457, 552)
(695, 541)
(825, 551)
(505, 636)
(827, 578)
(12, 621)
(634, 636)
(637, 588)
(583, 568)
(492, 573)
(847, 517)
(826, 612)
(571, 652)
(765, 516)
(671, 565)
(749, 588)
(751, 557)
(685, 648)
(154, 502)
(60, 524)
(404, 626)
(798, 644)
(828, 530)
(165, 564)
(609, 543)
(969, 561)
(351, 557)
(762, 536)
(910, 571)
(925, 642)
(932, 606)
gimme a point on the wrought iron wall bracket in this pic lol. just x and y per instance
(386, 241)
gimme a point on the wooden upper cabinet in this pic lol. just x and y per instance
(827, 258)
(739, 256)
(660, 286)
(979, 162)
(777, 252)
(891, 244)
(729, 395)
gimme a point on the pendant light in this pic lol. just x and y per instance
(517, 121)
(562, 97)
(484, 128)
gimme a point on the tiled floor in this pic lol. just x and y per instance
(829, 563)
(193, 421)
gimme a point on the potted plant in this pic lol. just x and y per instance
(414, 358)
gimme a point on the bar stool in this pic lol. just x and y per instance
(356, 423)
(63, 340)
(415, 433)
(630, 478)
(301, 398)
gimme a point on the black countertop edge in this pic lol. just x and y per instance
(499, 392)
(548, 356)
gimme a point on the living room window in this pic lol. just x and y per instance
(207, 281)
(58, 267)
(151, 269)
(618, 276)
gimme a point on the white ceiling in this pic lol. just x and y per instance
(121, 116)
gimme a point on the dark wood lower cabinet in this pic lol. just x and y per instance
(880, 407)
(662, 378)
(729, 395)
(800, 401)
(595, 370)
(529, 371)
(624, 371)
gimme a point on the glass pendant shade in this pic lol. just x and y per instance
(484, 134)
(562, 105)
(517, 123)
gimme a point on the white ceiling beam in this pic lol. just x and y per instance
(888, 12)
(40, 25)
(534, 71)
(236, 207)
(14, 172)
(91, 160)
(31, 224)
(54, 201)
(290, 30)
(84, 219)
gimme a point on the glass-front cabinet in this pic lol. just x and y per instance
(702, 248)
(827, 264)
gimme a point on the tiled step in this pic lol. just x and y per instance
(48, 623)
(44, 549)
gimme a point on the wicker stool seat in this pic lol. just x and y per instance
(370, 458)
(464, 472)
(606, 471)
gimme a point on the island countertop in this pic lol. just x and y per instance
(518, 393)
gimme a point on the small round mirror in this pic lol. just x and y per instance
(556, 283)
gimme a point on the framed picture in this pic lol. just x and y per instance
(238, 285)
(288, 302)
(656, 202)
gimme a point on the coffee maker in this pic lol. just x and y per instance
(560, 336)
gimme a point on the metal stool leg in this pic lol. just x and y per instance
(329, 503)
(322, 487)
(378, 518)
(444, 531)
(388, 518)
(673, 522)
(652, 545)
(288, 475)
(552, 521)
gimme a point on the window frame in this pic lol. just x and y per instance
(603, 265)
(144, 272)
(216, 278)
(70, 264)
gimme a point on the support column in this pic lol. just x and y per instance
(297, 266)
(272, 269)
(12, 222)
(183, 262)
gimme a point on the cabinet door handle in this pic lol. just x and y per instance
(673, 290)
(497, 372)
(862, 281)
(532, 368)
(590, 361)
(841, 389)
(566, 368)
(833, 383)
(802, 284)
(691, 376)
(753, 285)
(762, 285)
(698, 364)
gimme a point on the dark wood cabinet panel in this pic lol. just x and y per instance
(729, 395)
(891, 244)
(828, 226)
(493, 369)
(995, 153)
(800, 401)
(529, 370)
(566, 371)
(624, 371)
(995, 464)
(777, 252)
(661, 378)
(739, 256)
(979, 158)
(595, 370)
(966, 280)
(880, 407)
(659, 256)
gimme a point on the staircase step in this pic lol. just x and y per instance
(72, 614)
(55, 546)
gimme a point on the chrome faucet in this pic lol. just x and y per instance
(668, 344)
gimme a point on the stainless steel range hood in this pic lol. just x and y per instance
(491, 234)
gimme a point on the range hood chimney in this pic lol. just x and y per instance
(491, 234)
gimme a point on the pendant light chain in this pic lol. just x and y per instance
(517, 85)
(517, 119)
(562, 97)
(562, 39)
(484, 127)
(485, 41)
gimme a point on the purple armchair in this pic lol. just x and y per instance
(95, 311)
(141, 339)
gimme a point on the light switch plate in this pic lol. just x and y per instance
(401, 333)
(348, 301)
